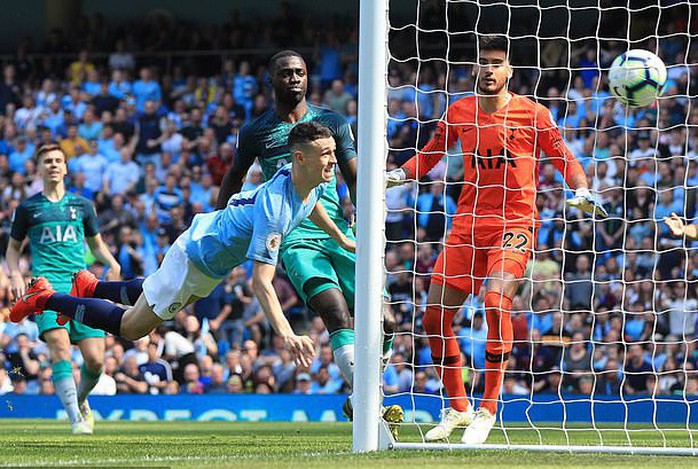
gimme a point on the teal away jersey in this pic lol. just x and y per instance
(57, 232)
(266, 138)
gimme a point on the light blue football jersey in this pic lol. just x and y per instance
(252, 226)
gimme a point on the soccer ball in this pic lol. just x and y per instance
(637, 77)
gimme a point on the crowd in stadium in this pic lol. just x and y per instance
(609, 306)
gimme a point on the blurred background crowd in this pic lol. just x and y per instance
(608, 307)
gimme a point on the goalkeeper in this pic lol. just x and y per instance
(502, 135)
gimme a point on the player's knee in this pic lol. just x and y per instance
(58, 343)
(94, 362)
(498, 352)
(332, 308)
(433, 320)
(336, 319)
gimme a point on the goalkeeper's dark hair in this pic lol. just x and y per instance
(494, 43)
(271, 66)
(305, 133)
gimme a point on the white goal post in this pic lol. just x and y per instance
(575, 412)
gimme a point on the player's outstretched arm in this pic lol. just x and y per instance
(425, 159)
(320, 217)
(679, 228)
(102, 254)
(301, 347)
(563, 159)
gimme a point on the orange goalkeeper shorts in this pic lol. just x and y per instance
(469, 258)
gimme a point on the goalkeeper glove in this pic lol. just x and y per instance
(395, 177)
(585, 202)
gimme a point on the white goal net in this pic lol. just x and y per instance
(604, 350)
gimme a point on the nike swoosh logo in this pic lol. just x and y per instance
(26, 296)
(37, 215)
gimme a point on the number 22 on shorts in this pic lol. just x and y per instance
(515, 240)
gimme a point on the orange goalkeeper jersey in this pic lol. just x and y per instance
(501, 152)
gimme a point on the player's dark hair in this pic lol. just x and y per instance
(306, 132)
(43, 149)
(494, 43)
(271, 67)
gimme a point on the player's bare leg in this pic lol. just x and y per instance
(92, 350)
(58, 342)
(332, 307)
(500, 289)
(443, 303)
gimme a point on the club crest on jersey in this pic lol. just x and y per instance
(273, 242)
(73, 213)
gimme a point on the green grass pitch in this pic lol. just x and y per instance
(47, 443)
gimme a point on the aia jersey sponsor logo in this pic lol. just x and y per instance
(492, 159)
(58, 234)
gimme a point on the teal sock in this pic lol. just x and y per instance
(66, 391)
(88, 380)
(388, 343)
(342, 341)
(387, 349)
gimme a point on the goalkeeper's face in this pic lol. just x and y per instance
(493, 72)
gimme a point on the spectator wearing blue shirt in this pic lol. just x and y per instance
(119, 87)
(92, 165)
(92, 85)
(328, 378)
(74, 103)
(329, 57)
(91, 128)
(436, 210)
(167, 197)
(23, 151)
(473, 340)
(146, 89)
(121, 177)
(156, 371)
(54, 119)
(202, 193)
(666, 206)
(245, 87)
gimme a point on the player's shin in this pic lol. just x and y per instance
(446, 354)
(500, 338)
(124, 292)
(95, 313)
(64, 384)
(342, 341)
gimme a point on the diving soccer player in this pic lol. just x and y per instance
(57, 224)
(322, 273)
(502, 135)
(252, 226)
